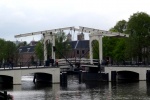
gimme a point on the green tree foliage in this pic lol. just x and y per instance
(109, 44)
(61, 45)
(39, 50)
(95, 46)
(8, 50)
(138, 27)
(24, 43)
(119, 27)
(119, 49)
(2, 49)
(114, 47)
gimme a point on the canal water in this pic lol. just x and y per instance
(75, 91)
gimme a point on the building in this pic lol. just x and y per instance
(79, 49)
(80, 36)
(27, 54)
(69, 37)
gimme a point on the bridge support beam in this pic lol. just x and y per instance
(17, 78)
(148, 76)
(99, 39)
(113, 76)
(56, 76)
(140, 70)
(49, 38)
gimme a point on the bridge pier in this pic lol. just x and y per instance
(17, 78)
(148, 76)
(113, 76)
(137, 73)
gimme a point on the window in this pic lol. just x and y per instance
(77, 51)
(82, 51)
(28, 49)
(20, 50)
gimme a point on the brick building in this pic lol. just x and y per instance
(79, 49)
(27, 54)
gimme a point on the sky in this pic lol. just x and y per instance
(25, 16)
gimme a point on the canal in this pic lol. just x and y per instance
(75, 91)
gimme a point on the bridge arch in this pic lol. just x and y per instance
(99, 39)
(49, 37)
(42, 77)
(125, 75)
(95, 47)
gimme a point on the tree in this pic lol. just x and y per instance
(119, 27)
(61, 45)
(138, 27)
(39, 50)
(2, 49)
(8, 50)
(95, 46)
(24, 43)
(114, 47)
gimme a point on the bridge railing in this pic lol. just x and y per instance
(63, 62)
(128, 64)
(21, 65)
(76, 60)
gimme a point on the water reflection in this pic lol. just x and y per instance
(84, 91)
(148, 88)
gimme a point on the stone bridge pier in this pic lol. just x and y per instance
(128, 73)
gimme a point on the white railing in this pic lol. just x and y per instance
(75, 60)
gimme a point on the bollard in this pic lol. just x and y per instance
(148, 75)
(34, 78)
(107, 77)
(5, 95)
(60, 78)
(80, 73)
(63, 79)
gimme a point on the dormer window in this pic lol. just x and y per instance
(82, 51)
(20, 50)
(28, 49)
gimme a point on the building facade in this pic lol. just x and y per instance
(79, 49)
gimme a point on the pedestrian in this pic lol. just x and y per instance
(56, 63)
(10, 63)
(51, 61)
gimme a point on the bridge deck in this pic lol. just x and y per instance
(26, 67)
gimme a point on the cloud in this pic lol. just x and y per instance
(23, 16)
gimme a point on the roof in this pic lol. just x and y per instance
(79, 44)
(25, 49)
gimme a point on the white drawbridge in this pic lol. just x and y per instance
(95, 34)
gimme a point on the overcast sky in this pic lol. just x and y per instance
(24, 16)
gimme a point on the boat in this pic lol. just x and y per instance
(5, 96)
